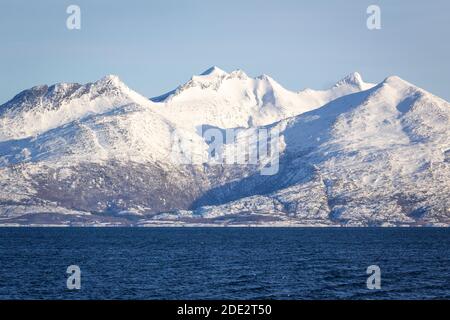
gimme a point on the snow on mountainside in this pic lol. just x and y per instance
(379, 157)
(42, 108)
(229, 100)
(100, 154)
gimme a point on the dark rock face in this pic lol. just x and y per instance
(116, 187)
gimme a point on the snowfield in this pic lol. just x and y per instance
(357, 154)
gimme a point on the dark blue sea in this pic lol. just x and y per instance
(224, 263)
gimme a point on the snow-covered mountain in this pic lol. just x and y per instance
(42, 108)
(377, 157)
(229, 100)
(355, 154)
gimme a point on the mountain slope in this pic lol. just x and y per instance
(376, 157)
(356, 154)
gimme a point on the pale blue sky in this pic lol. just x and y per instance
(156, 45)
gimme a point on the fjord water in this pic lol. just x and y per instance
(224, 263)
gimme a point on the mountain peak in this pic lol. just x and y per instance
(353, 79)
(396, 80)
(110, 83)
(213, 71)
(110, 79)
(265, 77)
(238, 73)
